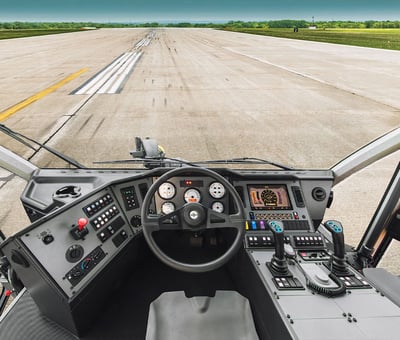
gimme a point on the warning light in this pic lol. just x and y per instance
(187, 182)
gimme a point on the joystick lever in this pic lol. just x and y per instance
(79, 231)
(338, 263)
(278, 265)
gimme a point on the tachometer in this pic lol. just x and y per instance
(269, 198)
(192, 196)
(216, 190)
(167, 191)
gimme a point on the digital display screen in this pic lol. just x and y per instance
(187, 183)
(269, 197)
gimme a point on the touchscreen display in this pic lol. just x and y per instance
(269, 197)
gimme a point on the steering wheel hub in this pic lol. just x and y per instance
(194, 215)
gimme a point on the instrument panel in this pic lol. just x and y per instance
(178, 191)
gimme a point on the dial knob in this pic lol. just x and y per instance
(74, 253)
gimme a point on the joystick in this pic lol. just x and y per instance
(79, 231)
(278, 265)
(337, 263)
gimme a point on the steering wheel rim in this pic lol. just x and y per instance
(235, 219)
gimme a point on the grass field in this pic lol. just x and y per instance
(10, 34)
(376, 38)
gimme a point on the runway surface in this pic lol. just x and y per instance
(204, 94)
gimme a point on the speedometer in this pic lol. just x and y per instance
(167, 191)
(192, 196)
(216, 190)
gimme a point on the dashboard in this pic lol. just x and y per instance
(82, 219)
(84, 222)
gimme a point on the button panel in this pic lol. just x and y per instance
(309, 241)
(104, 218)
(288, 225)
(356, 282)
(129, 197)
(94, 207)
(287, 283)
(120, 238)
(111, 229)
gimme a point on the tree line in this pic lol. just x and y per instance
(229, 25)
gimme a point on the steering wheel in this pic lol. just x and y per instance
(194, 217)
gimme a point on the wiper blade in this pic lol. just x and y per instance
(245, 160)
(151, 162)
(23, 139)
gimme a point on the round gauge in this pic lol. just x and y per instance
(166, 191)
(192, 196)
(269, 197)
(167, 208)
(218, 207)
(217, 190)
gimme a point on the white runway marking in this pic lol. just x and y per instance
(110, 79)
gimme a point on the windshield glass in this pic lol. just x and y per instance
(204, 91)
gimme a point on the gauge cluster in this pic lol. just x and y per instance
(176, 192)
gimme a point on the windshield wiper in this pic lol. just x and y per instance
(245, 160)
(152, 162)
(23, 140)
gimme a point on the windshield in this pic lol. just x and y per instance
(204, 93)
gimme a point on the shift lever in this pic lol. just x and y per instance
(278, 265)
(338, 262)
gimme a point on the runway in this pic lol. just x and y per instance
(204, 94)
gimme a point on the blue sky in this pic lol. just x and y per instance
(196, 10)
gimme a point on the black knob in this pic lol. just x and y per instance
(74, 253)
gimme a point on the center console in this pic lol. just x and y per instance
(303, 267)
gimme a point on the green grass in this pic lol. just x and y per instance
(377, 38)
(21, 33)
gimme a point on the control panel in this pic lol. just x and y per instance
(76, 244)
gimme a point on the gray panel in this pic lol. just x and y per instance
(365, 306)
(327, 329)
(386, 282)
(380, 328)
(308, 307)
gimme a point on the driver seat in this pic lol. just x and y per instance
(227, 315)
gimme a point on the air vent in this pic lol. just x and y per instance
(319, 194)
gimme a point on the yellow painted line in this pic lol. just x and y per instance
(10, 111)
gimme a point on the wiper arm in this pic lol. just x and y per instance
(23, 139)
(245, 160)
